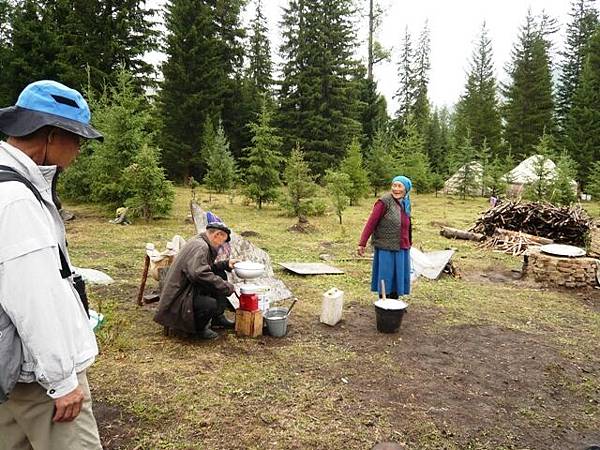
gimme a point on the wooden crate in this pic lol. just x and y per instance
(248, 323)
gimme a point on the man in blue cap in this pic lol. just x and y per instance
(46, 342)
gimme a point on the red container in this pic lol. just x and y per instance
(249, 302)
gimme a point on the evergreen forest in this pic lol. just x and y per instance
(221, 112)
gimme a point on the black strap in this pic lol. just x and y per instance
(9, 174)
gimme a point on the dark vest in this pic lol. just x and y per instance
(387, 232)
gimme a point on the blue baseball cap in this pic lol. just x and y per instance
(48, 103)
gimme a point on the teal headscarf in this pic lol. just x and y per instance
(408, 186)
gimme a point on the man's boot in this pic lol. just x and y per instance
(223, 321)
(207, 333)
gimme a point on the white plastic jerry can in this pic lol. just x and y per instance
(333, 302)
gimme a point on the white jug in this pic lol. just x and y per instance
(333, 302)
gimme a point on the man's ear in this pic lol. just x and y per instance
(51, 135)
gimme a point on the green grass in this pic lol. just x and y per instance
(290, 392)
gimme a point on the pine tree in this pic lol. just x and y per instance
(264, 159)
(203, 54)
(380, 162)
(584, 21)
(529, 108)
(339, 186)
(300, 185)
(319, 104)
(352, 165)
(478, 111)
(221, 171)
(582, 129)
(150, 193)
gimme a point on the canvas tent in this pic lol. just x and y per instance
(525, 173)
(452, 185)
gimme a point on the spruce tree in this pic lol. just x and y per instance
(421, 108)
(319, 103)
(593, 186)
(411, 160)
(221, 170)
(584, 21)
(33, 51)
(204, 53)
(478, 111)
(260, 67)
(562, 188)
(123, 115)
(151, 194)
(352, 165)
(104, 37)
(406, 77)
(300, 186)
(380, 162)
(263, 159)
(529, 107)
(339, 187)
(463, 162)
(437, 142)
(582, 128)
(539, 188)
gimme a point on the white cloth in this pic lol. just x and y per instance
(50, 319)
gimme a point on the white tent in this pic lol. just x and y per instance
(452, 185)
(525, 173)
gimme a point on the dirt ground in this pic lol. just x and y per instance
(495, 382)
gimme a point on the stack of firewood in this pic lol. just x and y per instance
(513, 242)
(565, 225)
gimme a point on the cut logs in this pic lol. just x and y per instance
(565, 224)
(453, 233)
(513, 242)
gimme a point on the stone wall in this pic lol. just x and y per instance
(556, 271)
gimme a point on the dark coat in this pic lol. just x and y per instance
(192, 271)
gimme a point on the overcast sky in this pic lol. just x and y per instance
(454, 29)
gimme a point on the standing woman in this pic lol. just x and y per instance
(391, 228)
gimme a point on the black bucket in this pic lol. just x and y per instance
(389, 320)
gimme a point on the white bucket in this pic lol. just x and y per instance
(333, 303)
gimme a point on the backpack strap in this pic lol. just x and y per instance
(9, 174)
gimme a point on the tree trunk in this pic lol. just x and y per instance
(453, 233)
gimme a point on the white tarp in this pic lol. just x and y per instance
(430, 264)
(93, 276)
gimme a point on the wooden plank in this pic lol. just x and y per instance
(248, 323)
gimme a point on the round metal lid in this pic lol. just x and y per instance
(562, 250)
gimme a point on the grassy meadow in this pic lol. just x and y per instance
(484, 361)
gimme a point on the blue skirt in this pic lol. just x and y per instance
(394, 268)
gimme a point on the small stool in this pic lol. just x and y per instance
(248, 323)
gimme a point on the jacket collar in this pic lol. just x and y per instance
(40, 176)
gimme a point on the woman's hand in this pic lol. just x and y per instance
(360, 250)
